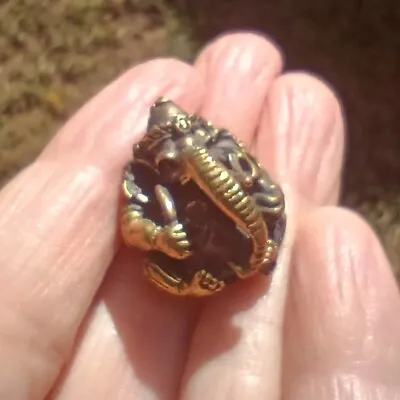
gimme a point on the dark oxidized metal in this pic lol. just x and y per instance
(199, 204)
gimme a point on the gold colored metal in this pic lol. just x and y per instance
(199, 204)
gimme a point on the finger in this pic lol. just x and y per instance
(62, 213)
(238, 69)
(301, 137)
(342, 331)
(249, 339)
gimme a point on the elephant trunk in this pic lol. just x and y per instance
(226, 192)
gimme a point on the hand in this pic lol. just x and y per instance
(78, 321)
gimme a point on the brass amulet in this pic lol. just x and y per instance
(198, 203)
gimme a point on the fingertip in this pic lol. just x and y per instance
(238, 70)
(217, 51)
(302, 136)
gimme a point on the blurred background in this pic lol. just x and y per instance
(55, 54)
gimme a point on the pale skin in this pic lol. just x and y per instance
(77, 321)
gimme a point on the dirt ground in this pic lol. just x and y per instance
(55, 54)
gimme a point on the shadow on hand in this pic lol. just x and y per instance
(217, 332)
(156, 328)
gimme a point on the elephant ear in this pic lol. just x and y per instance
(235, 158)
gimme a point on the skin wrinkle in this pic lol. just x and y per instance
(291, 107)
(261, 77)
(356, 288)
(283, 128)
(297, 94)
(353, 305)
(332, 146)
(46, 191)
(255, 59)
(338, 251)
(83, 179)
(303, 100)
(332, 196)
(25, 307)
(357, 282)
(281, 137)
(239, 57)
(328, 140)
(9, 195)
(350, 386)
(373, 314)
(67, 253)
(341, 296)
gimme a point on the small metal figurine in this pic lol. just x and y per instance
(199, 204)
